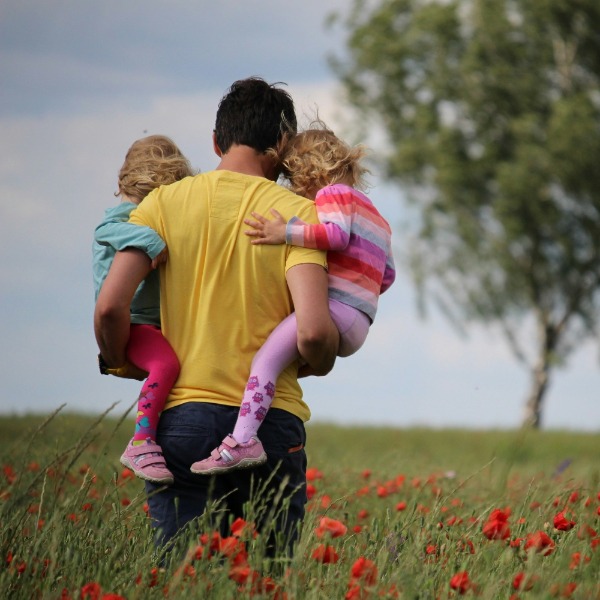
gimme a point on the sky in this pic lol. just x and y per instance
(80, 82)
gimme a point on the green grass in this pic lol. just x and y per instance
(411, 501)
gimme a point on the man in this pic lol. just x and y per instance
(220, 298)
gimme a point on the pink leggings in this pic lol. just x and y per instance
(149, 350)
(280, 349)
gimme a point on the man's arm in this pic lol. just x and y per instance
(318, 337)
(111, 316)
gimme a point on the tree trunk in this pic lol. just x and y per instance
(540, 374)
(532, 416)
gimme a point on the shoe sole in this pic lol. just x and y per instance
(245, 463)
(142, 475)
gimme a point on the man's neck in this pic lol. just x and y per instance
(246, 160)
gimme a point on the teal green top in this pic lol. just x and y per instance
(116, 233)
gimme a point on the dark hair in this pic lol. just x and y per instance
(254, 113)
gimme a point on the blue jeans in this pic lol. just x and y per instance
(189, 432)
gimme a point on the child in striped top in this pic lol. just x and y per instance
(323, 168)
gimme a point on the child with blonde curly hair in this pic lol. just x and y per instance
(149, 163)
(323, 168)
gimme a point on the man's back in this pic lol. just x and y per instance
(220, 295)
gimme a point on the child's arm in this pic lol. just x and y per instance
(332, 233)
(122, 234)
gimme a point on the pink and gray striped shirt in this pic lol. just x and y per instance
(358, 241)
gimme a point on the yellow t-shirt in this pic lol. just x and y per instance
(220, 295)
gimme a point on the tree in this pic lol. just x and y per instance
(492, 114)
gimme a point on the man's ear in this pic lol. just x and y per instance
(216, 146)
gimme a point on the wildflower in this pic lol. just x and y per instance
(586, 531)
(127, 474)
(364, 570)
(231, 546)
(562, 523)
(312, 474)
(330, 526)
(325, 501)
(325, 554)
(9, 473)
(540, 542)
(401, 506)
(576, 559)
(461, 582)
(496, 527)
(240, 528)
(91, 590)
(521, 582)
(565, 592)
(311, 490)
(382, 491)
(465, 545)
(366, 474)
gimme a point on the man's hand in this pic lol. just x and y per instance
(265, 231)
(127, 371)
(160, 258)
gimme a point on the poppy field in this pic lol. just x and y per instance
(391, 513)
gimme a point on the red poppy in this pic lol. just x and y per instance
(91, 590)
(401, 506)
(127, 474)
(461, 582)
(586, 531)
(565, 592)
(312, 474)
(240, 528)
(540, 542)
(241, 574)
(330, 526)
(522, 582)
(562, 523)
(231, 546)
(365, 570)
(496, 527)
(325, 554)
(311, 490)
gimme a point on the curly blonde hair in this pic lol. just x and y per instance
(149, 163)
(316, 157)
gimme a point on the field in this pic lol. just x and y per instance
(413, 513)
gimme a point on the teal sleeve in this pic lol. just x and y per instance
(122, 234)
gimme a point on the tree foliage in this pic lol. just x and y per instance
(492, 114)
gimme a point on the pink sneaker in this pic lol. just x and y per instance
(231, 455)
(147, 462)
